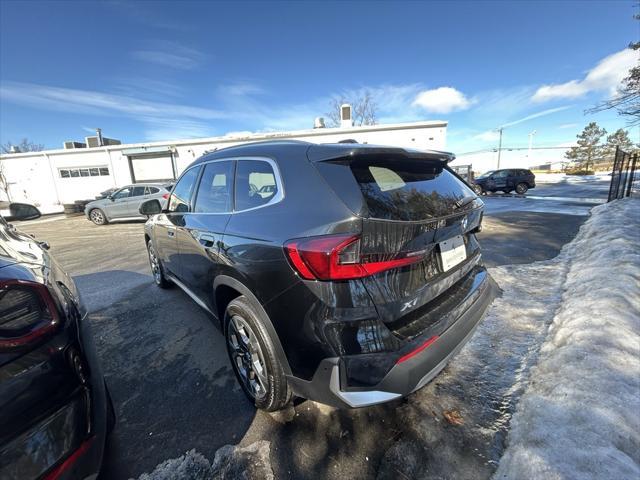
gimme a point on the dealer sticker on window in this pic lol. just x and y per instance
(452, 252)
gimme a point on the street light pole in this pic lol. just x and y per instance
(499, 147)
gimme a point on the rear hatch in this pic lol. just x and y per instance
(411, 206)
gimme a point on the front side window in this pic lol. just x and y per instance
(214, 192)
(124, 193)
(181, 196)
(255, 184)
(501, 174)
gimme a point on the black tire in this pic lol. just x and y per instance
(522, 188)
(98, 217)
(157, 270)
(477, 189)
(254, 360)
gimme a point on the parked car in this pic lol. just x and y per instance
(55, 410)
(352, 283)
(125, 202)
(106, 193)
(506, 180)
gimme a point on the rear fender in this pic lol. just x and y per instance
(255, 303)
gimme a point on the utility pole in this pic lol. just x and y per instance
(530, 143)
(499, 147)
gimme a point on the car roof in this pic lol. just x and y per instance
(320, 152)
(144, 184)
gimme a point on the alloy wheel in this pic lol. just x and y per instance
(155, 264)
(247, 357)
(97, 217)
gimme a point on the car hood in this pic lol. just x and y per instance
(98, 203)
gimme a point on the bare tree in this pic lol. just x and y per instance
(24, 146)
(627, 98)
(4, 183)
(363, 110)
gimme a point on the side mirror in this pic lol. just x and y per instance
(110, 197)
(150, 207)
(22, 211)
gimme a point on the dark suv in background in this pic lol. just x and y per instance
(346, 274)
(505, 180)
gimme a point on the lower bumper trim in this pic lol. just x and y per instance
(358, 399)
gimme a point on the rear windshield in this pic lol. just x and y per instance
(396, 189)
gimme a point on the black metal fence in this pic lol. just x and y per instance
(625, 180)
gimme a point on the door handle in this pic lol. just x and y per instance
(171, 233)
(206, 240)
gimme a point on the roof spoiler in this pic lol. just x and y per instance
(327, 152)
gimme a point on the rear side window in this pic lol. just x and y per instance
(151, 190)
(214, 192)
(255, 184)
(137, 191)
(181, 195)
(408, 190)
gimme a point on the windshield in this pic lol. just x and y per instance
(486, 174)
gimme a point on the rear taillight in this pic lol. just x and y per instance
(338, 257)
(165, 196)
(27, 314)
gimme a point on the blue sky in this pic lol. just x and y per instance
(145, 71)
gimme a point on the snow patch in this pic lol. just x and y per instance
(562, 177)
(230, 462)
(579, 416)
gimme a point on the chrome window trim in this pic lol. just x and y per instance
(277, 198)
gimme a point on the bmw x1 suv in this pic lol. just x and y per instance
(347, 274)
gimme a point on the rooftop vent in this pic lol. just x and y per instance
(345, 116)
(319, 122)
(100, 141)
(71, 145)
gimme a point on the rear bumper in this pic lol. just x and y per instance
(61, 439)
(330, 386)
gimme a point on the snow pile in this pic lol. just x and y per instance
(580, 414)
(456, 426)
(231, 462)
(563, 177)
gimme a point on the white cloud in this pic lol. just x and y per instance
(605, 76)
(543, 113)
(568, 125)
(170, 54)
(442, 100)
(240, 89)
(488, 136)
(162, 120)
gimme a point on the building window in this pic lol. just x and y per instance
(100, 171)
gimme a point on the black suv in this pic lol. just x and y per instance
(346, 274)
(55, 410)
(506, 180)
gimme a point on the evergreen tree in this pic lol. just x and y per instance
(619, 138)
(589, 149)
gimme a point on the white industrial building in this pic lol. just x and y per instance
(51, 178)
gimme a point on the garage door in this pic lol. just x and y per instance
(151, 168)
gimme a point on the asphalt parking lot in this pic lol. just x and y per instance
(166, 364)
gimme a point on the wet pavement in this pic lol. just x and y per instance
(174, 390)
